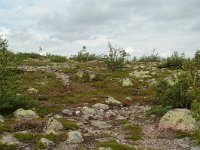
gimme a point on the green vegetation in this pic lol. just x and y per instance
(154, 57)
(157, 110)
(174, 62)
(134, 132)
(84, 56)
(115, 146)
(68, 125)
(116, 59)
(10, 100)
(56, 58)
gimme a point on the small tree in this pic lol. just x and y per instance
(116, 59)
(9, 100)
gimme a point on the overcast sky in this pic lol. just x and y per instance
(64, 26)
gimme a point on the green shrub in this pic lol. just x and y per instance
(196, 109)
(10, 100)
(158, 110)
(57, 58)
(115, 146)
(84, 56)
(175, 61)
(116, 59)
(178, 95)
(23, 56)
(152, 58)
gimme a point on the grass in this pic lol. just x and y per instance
(27, 137)
(68, 125)
(115, 146)
(134, 132)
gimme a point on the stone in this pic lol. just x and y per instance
(113, 101)
(32, 90)
(21, 113)
(101, 106)
(140, 74)
(64, 78)
(53, 126)
(1, 118)
(66, 112)
(101, 124)
(88, 111)
(75, 137)
(120, 117)
(47, 143)
(178, 119)
(9, 139)
(80, 73)
(110, 113)
(126, 82)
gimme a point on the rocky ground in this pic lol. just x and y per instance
(90, 109)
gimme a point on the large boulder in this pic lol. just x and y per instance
(100, 106)
(9, 139)
(75, 137)
(127, 82)
(53, 126)
(112, 101)
(21, 113)
(178, 119)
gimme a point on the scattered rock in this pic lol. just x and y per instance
(47, 143)
(127, 82)
(32, 90)
(66, 112)
(21, 113)
(75, 137)
(113, 101)
(100, 106)
(178, 119)
(1, 118)
(101, 124)
(110, 113)
(9, 139)
(64, 78)
(88, 111)
(53, 126)
(104, 148)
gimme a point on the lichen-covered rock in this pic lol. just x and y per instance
(101, 124)
(88, 111)
(21, 113)
(113, 101)
(9, 139)
(75, 137)
(178, 119)
(127, 82)
(53, 126)
(101, 106)
(66, 112)
(1, 118)
(47, 143)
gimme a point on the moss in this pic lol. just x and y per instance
(115, 146)
(7, 147)
(6, 126)
(134, 132)
(27, 137)
(69, 125)
(56, 138)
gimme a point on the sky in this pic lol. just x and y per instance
(64, 26)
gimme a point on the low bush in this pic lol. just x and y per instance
(116, 59)
(10, 100)
(152, 58)
(178, 95)
(84, 56)
(57, 58)
(176, 61)
(157, 110)
(23, 56)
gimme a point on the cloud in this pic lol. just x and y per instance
(64, 26)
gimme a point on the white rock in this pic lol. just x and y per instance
(53, 126)
(47, 143)
(21, 113)
(127, 82)
(75, 137)
(9, 139)
(101, 124)
(1, 118)
(113, 101)
(100, 106)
